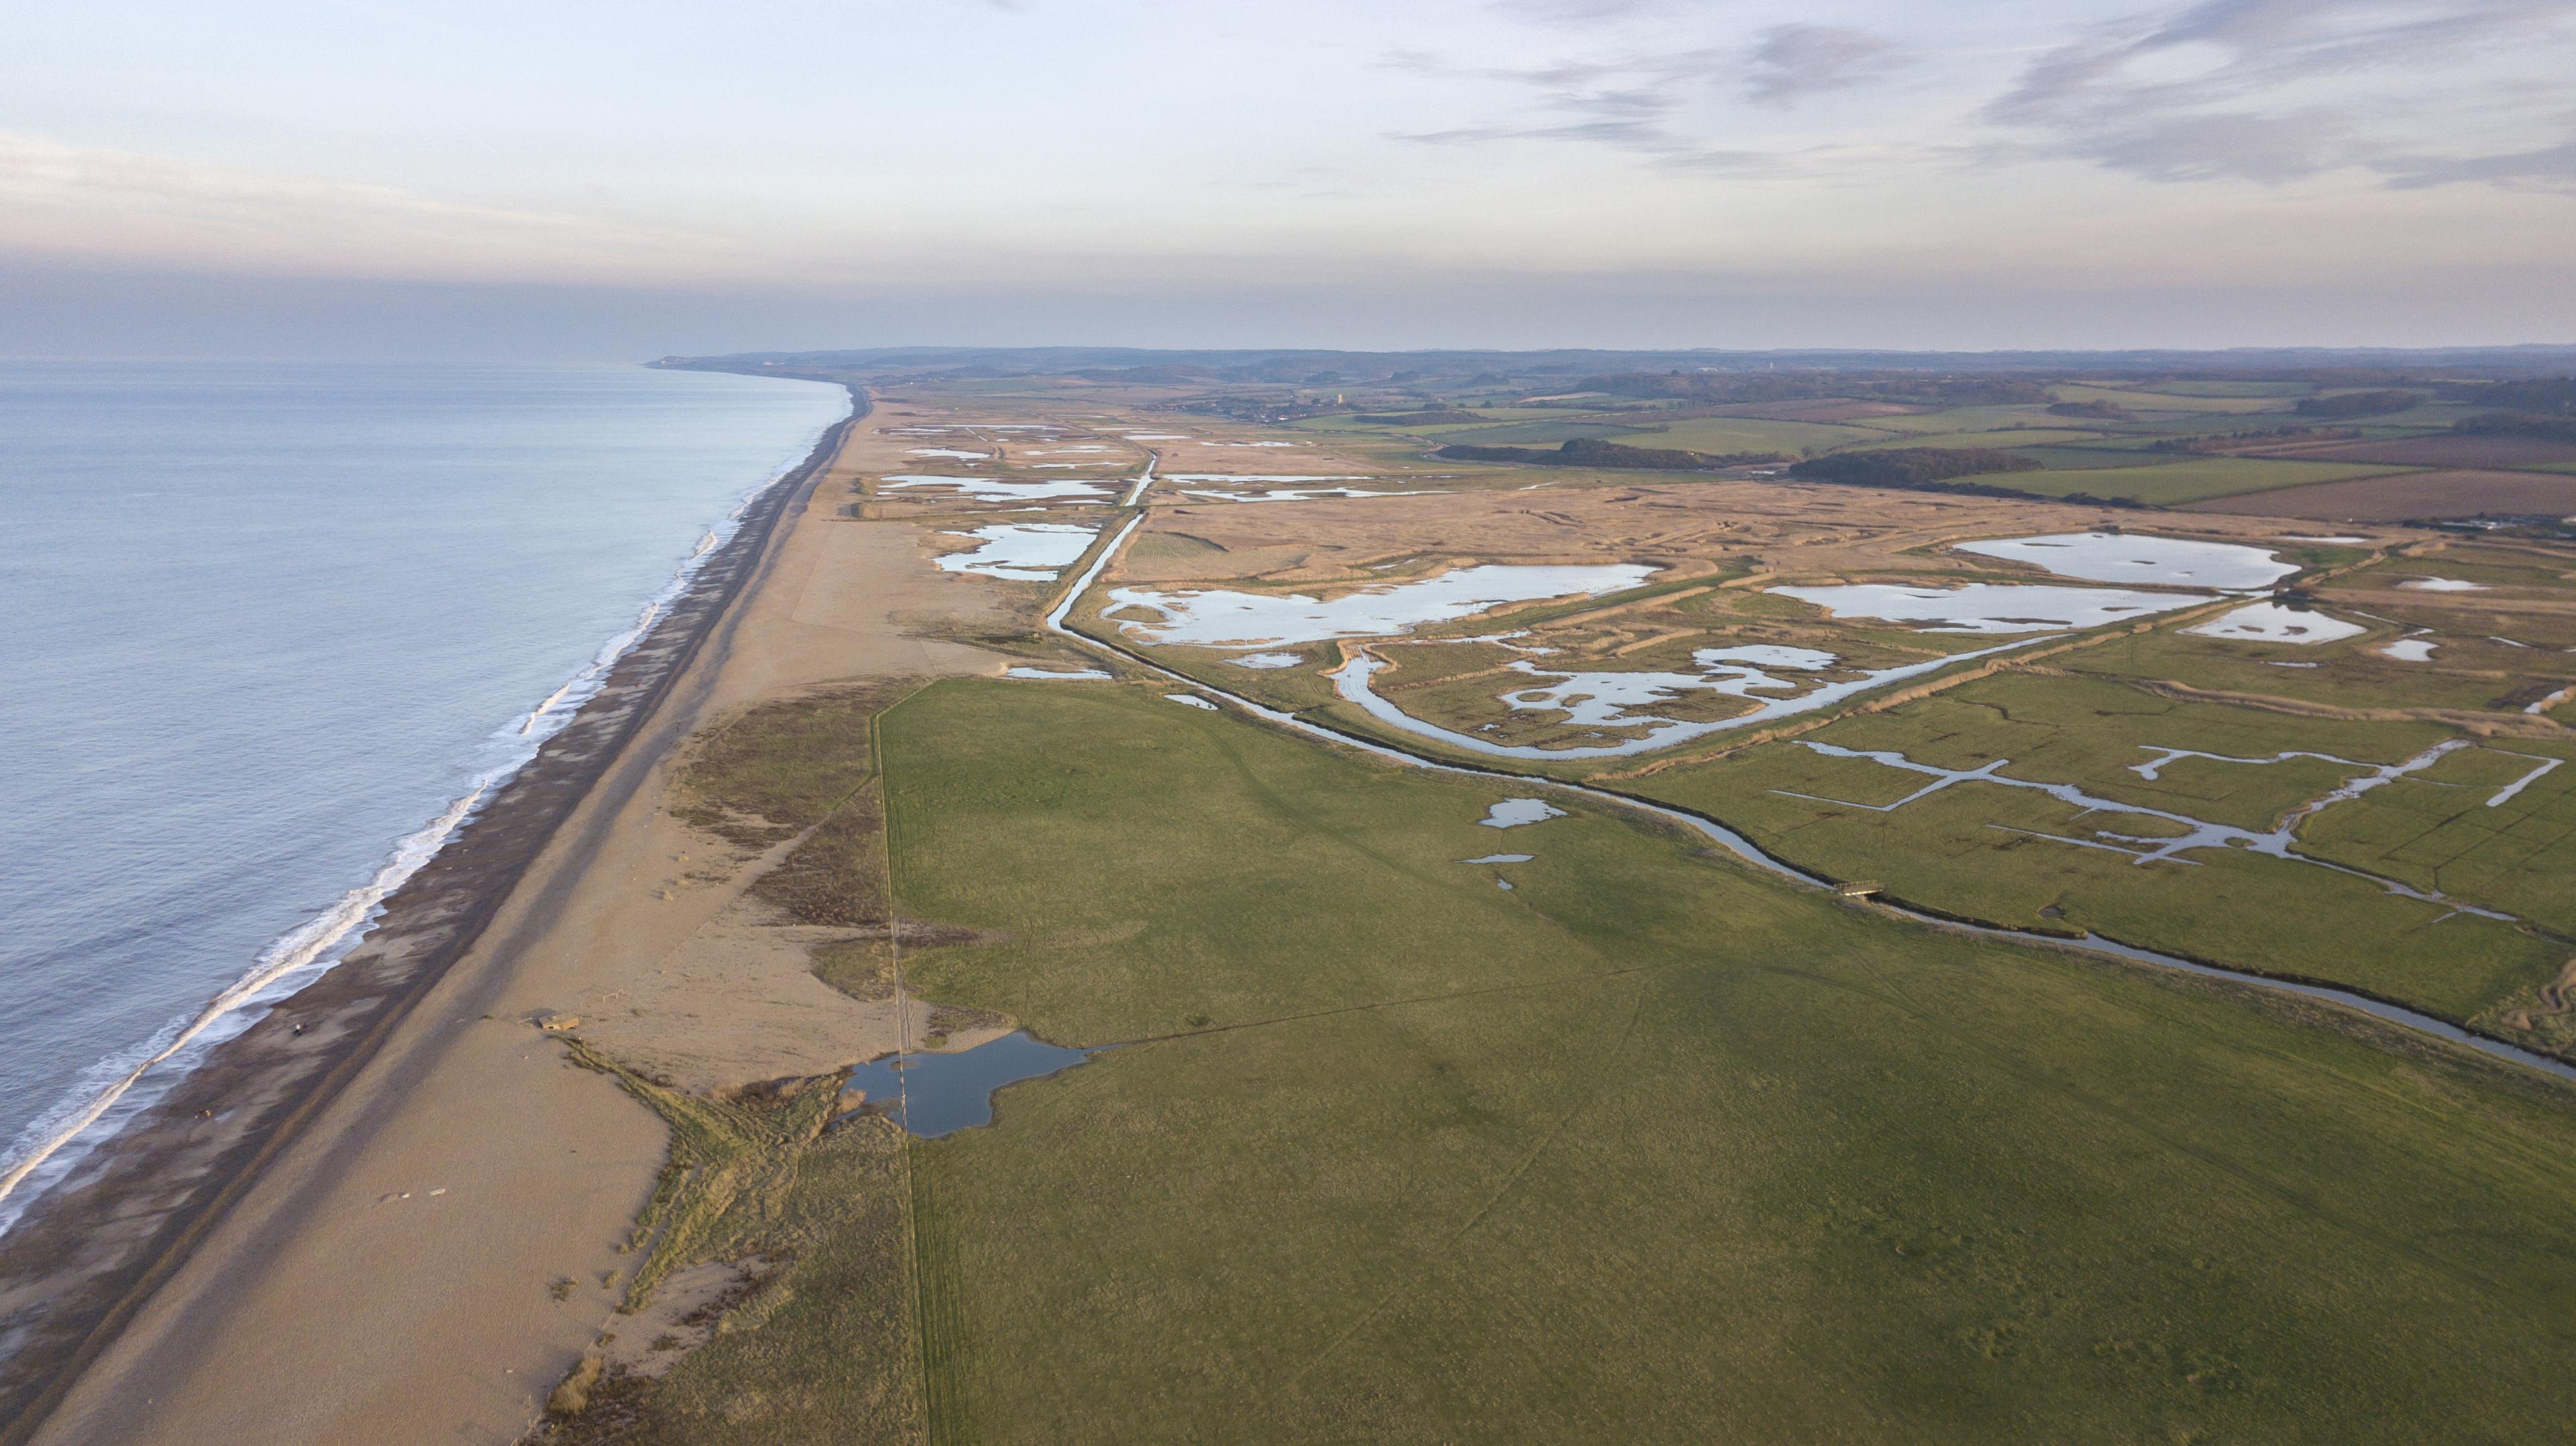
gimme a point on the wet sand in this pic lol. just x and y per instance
(387, 1266)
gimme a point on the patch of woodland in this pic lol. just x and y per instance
(1912, 467)
(1594, 452)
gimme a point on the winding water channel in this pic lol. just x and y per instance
(1753, 854)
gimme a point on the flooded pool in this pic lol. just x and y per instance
(938, 1094)
(1069, 675)
(1021, 551)
(2133, 558)
(1262, 661)
(1220, 618)
(1985, 607)
(1513, 812)
(951, 453)
(1190, 699)
(990, 489)
(1211, 478)
(1300, 494)
(2269, 622)
(2442, 584)
(2409, 650)
(1501, 859)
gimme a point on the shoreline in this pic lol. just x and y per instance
(129, 1212)
(83, 1124)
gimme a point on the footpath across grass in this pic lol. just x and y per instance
(1645, 1147)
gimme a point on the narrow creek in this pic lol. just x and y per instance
(1753, 854)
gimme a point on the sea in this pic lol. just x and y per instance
(268, 633)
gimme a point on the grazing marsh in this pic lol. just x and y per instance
(1407, 1137)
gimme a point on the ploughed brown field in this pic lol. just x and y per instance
(2468, 451)
(2404, 495)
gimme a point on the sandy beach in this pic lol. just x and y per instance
(437, 1238)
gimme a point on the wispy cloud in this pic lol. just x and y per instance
(1795, 61)
(1639, 102)
(2275, 91)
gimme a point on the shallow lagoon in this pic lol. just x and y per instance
(2270, 622)
(2134, 558)
(1301, 494)
(1218, 477)
(1984, 607)
(1220, 618)
(988, 489)
(1021, 551)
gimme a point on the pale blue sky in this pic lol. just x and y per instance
(579, 178)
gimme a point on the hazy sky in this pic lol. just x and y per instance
(572, 178)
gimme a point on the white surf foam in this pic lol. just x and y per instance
(122, 1086)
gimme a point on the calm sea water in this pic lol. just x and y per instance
(262, 624)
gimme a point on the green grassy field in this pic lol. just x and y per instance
(2520, 853)
(2087, 457)
(2015, 437)
(2139, 399)
(1721, 435)
(1644, 1148)
(1544, 432)
(1965, 419)
(2165, 484)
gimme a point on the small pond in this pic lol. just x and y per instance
(937, 1094)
